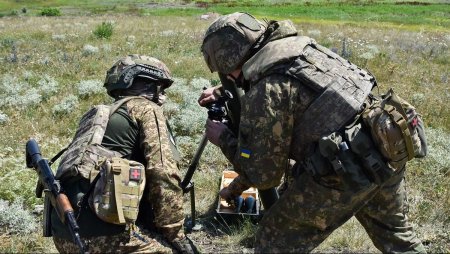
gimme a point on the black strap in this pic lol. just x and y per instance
(57, 156)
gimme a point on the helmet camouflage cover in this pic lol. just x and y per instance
(122, 74)
(229, 39)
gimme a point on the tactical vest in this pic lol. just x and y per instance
(84, 151)
(117, 184)
(342, 87)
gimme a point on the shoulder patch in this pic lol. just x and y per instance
(245, 153)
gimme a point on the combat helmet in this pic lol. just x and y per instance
(229, 39)
(122, 74)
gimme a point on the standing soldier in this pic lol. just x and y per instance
(305, 103)
(136, 131)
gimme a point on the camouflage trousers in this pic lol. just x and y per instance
(311, 209)
(141, 242)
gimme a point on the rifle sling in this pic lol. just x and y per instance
(57, 156)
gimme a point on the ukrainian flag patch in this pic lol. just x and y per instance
(245, 153)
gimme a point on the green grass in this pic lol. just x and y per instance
(433, 14)
(436, 15)
(105, 30)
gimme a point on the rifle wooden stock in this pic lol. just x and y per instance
(63, 206)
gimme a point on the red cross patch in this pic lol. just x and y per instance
(414, 122)
(135, 174)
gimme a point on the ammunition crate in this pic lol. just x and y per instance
(224, 208)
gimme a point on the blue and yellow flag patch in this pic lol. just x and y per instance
(245, 153)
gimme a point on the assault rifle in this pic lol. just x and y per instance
(53, 194)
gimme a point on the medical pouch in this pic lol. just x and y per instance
(118, 188)
(396, 128)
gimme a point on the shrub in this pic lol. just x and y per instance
(50, 12)
(14, 13)
(89, 50)
(66, 106)
(15, 218)
(48, 86)
(16, 93)
(104, 31)
(58, 37)
(87, 88)
(188, 122)
(3, 118)
(26, 91)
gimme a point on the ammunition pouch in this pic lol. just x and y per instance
(344, 162)
(352, 156)
(373, 163)
(382, 138)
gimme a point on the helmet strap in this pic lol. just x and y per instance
(155, 98)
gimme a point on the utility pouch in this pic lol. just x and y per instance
(342, 159)
(118, 188)
(316, 165)
(396, 129)
(373, 164)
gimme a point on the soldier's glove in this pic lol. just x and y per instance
(233, 190)
(209, 95)
(226, 194)
(185, 246)
(213, 131)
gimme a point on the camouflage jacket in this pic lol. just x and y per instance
(162, 172)
(299, 91)
(139, 132)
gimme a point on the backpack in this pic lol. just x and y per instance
(396, 128)
(117, 184)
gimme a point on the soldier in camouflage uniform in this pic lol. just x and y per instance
(138, 131)
(297, 93)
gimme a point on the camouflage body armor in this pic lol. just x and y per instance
(84, 151)
(117, 184)
(343, 116)
(342, 86)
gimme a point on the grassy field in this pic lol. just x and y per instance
(432, 14)
(52, 69)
